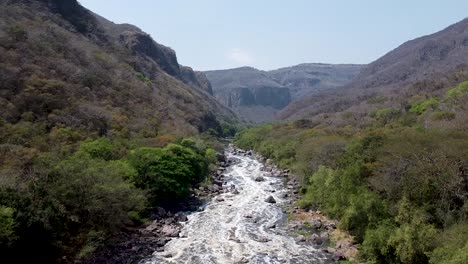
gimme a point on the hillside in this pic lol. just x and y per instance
(65, 66)
(99, 125)
(386, 155)
(257, 95)
(418, 69)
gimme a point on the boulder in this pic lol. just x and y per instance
(180, 217)
(316, 223)
(300, 238)
(270, 199)
(316, 238)
(153, 226)
(220, 157)
(170, 231)
(219, 199)
(259, 179)
(338, 255)
(324, 235)
(169, 221)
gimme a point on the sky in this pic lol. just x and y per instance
(270, 34)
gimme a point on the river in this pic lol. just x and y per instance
(240, 228)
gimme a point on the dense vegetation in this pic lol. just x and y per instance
(69, 199)
(399, 185)
(97, 127)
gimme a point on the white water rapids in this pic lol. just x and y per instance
(240, 228)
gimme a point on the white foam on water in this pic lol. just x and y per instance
(237, 229)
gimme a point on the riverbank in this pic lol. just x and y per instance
(311, 226)
(134, 244)
(311, 231)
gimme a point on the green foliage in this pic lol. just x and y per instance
(168, 173)
(443, 115)
(18, 33)
(386, 115)
(143, 78)
(420, 107)
(461, 89)
(95, 192)
(101, 148)
(7, 225)
(394, 188)
(452, 246)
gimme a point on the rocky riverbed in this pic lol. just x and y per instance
(242, 217)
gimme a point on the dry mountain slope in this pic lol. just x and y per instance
(423, 66)
(258, 95)
(64, 66)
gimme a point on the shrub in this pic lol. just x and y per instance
(168, 173)
(101, 148)
(443, 115)
(420, 107)
(375, 247)
(386, 115)
(458, 91)
(452, 246)
(7, 225)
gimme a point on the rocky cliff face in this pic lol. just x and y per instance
(308, 78)
(249, 92)
(258, 95)
(196, 79)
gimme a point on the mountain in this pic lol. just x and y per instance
(423, 67)
(257, 95)
(307, 78)
(251, 93)
(63, 66)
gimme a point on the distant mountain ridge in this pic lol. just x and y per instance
(422, 67)
(257, 95)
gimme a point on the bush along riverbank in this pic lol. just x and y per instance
(134, 244)
(400, 191)
(86, 201)
(309, 225)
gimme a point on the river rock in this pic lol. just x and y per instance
(219, 199)
(259, 179)
(270, 199)
(180, 217)
(170, 231)
(213, 188)
(162, 241)
(153, 226)
(338, 255)
(220, 157)
(217, 182)
(316, 223)
(324, 235)
(316, 238)
(330, 226)
(300, 238)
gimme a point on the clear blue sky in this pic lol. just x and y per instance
(268, 34)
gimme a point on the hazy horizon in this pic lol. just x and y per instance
(215, 35)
